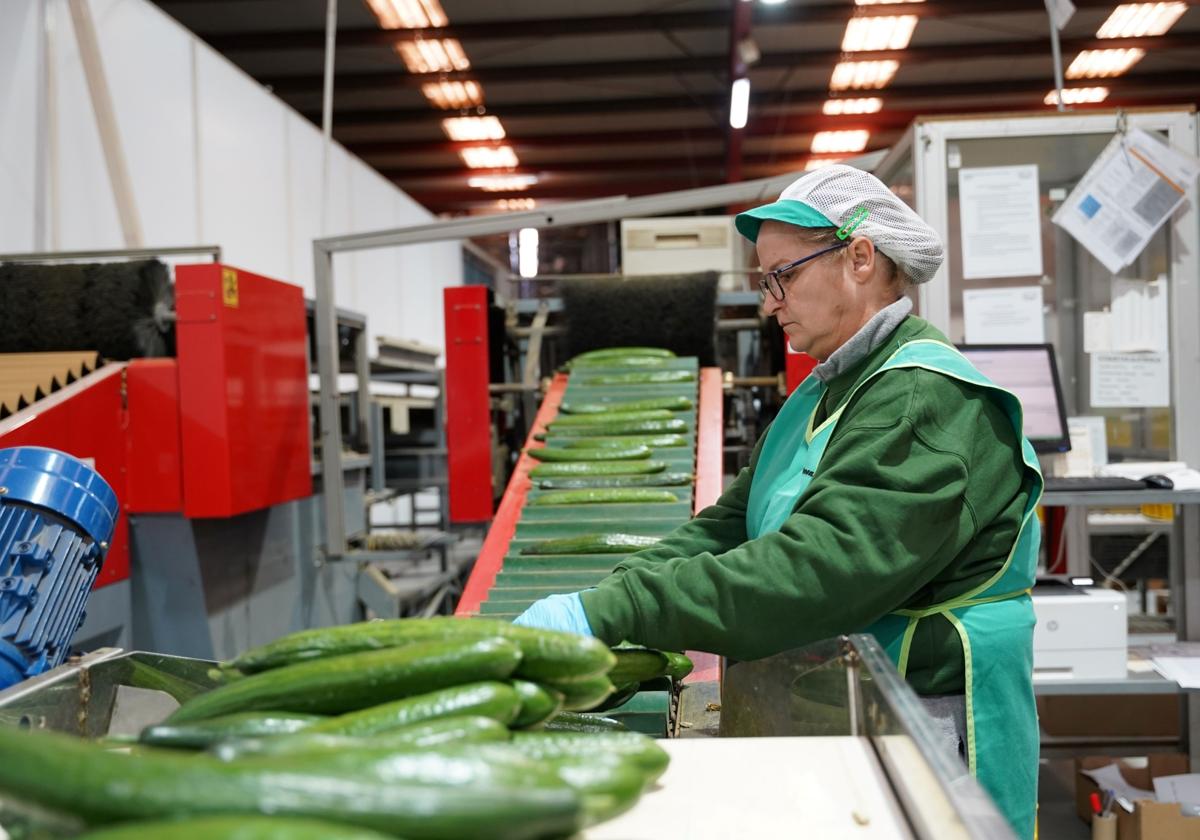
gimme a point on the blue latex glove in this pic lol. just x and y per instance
(557, 612)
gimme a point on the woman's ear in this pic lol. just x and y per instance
(861, 256)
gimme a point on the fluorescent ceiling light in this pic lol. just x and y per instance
(489, 157)
(527, 252)
(433, 55)
(849, 75)
(501, 183)
(835, 142)
(1103, 64)
(1135, 20)
(817, 163)
(836, 107)
(773, 2)
(1077, 96)
(465, 129)
(453, 95)
(739, 103)
(878, 33)
(517, 203)
(408, 14)
(884, 2)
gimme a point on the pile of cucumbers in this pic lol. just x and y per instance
(428, 729)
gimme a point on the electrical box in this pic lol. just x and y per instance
(686, 244)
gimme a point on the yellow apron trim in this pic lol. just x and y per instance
(810, 432)
(959, 602)
(905, 644)
(968, 683)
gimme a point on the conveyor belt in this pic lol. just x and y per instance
(505, 582)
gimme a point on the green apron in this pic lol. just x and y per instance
(994, 620)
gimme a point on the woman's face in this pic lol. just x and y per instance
(819, 296)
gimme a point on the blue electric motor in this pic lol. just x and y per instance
(56, 519)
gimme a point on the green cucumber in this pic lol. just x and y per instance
(581, 695)
(648, 377)
(649, 757)
(648, 404)
(564, 420)
(638, 664)
(199, 734)
(605, 496)
(617, 442)
(592, 544)
(490, 699)
(597, 468)
(544, 653)
(664, 479)
(571, 455)
(426, 795)
(608, 784)
(680, 665)
(619, 697)
(238, 827)
(464, 729)
(538, 703)
(639, 362)
(577, 722)
(600, 428)
(356, 680)
(610, 352)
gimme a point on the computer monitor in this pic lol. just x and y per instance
(1030, 372)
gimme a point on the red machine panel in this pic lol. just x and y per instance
(153, 457)
(243, 390)
(83, 420)
(468, 419)
(797, 367)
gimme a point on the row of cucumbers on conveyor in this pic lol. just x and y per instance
(426, 729)
(615, 474)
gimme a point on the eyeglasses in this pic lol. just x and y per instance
(772, 281)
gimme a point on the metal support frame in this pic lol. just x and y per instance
(213, 251)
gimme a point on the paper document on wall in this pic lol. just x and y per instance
(1139, 315)
(1130, 380)
(1134, 186)
(1001, 222)
(1004, 316)
(1097, 332)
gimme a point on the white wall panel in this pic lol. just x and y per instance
(242, 163)
(18, 80)
(147, 59)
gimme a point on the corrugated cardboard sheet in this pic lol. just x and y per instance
(26, 378)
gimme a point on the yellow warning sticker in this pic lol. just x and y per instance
(229, 287)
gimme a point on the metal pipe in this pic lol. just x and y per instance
(327, 110)
(118, 253)
(732, 324)
(106, 122)
(513, 387)
(1056, 53)
(528, 332)
(325, 319)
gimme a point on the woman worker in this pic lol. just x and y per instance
(894, 494)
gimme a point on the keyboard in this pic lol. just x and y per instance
(1087, 482)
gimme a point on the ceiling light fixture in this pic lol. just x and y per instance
(489, 157)
(878, 33)
(1077, 96)
(837, 107)
(1103, 64)
(1136, 20)
(517, 203)
(466, 129)
(884, 2)
(849, 75)
(408, 14)
(840, 142)
(433, 55)
(501, 183)
(739, 103)
(817, 163)
(453, 95)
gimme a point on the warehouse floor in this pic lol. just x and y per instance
(1057, 819)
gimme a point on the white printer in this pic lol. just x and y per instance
(1081, 631)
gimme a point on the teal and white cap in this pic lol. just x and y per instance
(857, 203)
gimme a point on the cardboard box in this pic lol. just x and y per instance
(1150, 820)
